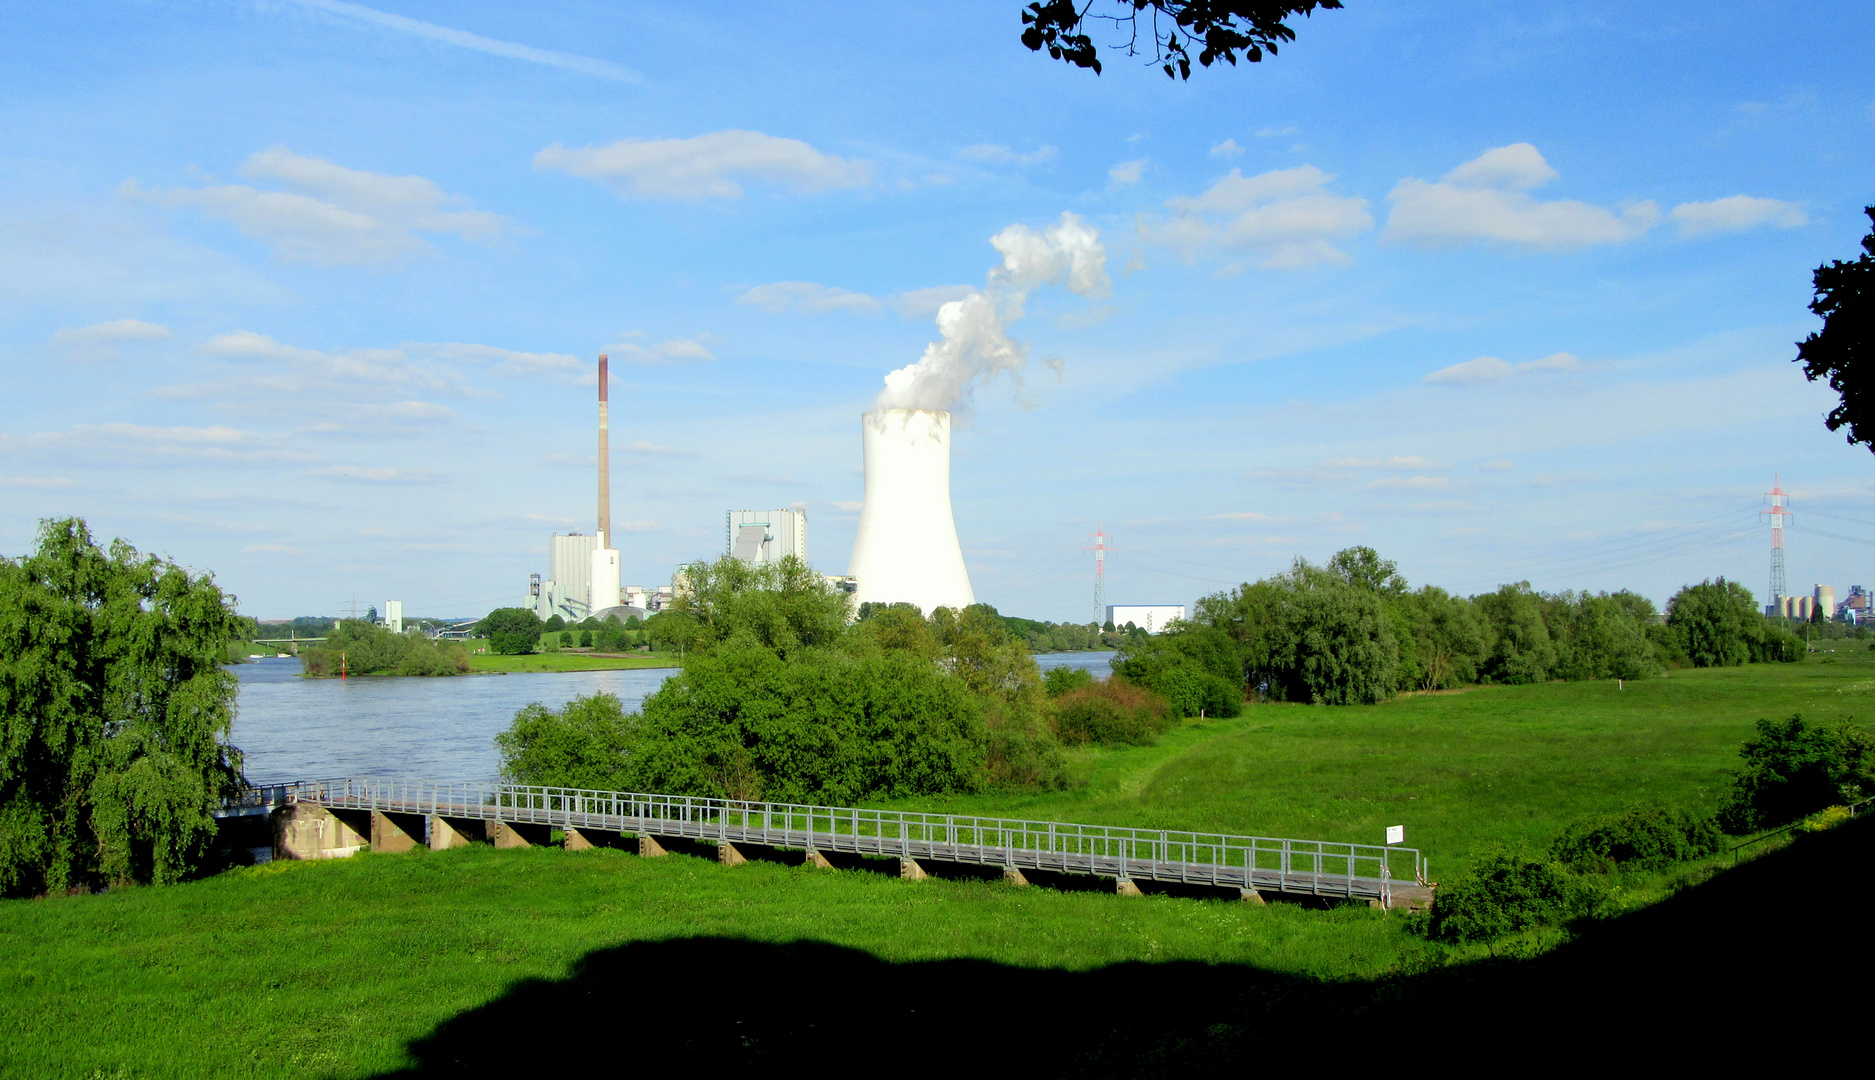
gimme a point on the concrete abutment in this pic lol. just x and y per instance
(308, 831)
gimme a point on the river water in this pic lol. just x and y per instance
(441, 728)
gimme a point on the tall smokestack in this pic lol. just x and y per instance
(906, 550)
(605, 460)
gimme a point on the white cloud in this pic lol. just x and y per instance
(808, 297)
(99, 341)
(336, 216)
(1736, 213)
(559, 366)
(814, 299)
(924, 303)
(1127, 172)
(586, 65)
(1485, 199)
(1287, 216)
(998, 154)
(1227, 149)
(1402, 463)
(367, 475)
(310, 369)
(121, 444)
(1491, 369)
(702, 167)
(680, 351)
(1408, 483)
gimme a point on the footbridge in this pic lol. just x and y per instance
(328, 818)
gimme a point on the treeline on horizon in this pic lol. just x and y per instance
(1352, 632)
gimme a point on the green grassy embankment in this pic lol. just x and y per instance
(1462, 771)
(570, 661)
(332, 969)
(329, 969)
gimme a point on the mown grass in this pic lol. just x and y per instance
(568, 661)
(329, 969)
(1463, 772)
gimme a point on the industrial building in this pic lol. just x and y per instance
(906, 550)
(765, 536)
(1151, 618)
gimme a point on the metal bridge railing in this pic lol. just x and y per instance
(1290, 865)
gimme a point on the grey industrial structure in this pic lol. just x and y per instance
(765, 536)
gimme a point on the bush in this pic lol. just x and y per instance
(356, 647)
(585, 639)
(1643, 837)
(566, 639)
(511, 631)
(1113, 713)
(1022, 754)
(1505, 894)
(1195, 669)
(743, 723)
(1793, 769)
(1060, 680)
(587, 744)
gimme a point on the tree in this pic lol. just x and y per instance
(1793, 769)
(1714, 622)
(115, 712)
(1844, 350)
(1448, 637)
(511, 631)
(1221, 29)
(1521, 650)
(781, 605)
(586, 745)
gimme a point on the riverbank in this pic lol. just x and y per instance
(569, 661)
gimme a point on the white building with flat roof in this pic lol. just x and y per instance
(766, 536)
(1151, 618)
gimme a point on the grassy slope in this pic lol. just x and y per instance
(566, 661)
(1461, 771)
(330, 968)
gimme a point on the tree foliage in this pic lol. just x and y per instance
(511, 631)
(360, 648)
(1642, 837)
(1506, 893)
(1715, 622)
(116, 712)
(587, 744)
(1844, 350)
(1793, 769)
(1218, 29)
(782, 606)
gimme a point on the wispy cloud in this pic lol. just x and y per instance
(706, 166)
(463, 39)
(1491, 369)
(100, 341)
(998, 154)
(1487, 199)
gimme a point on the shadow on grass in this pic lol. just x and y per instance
(1784, 935)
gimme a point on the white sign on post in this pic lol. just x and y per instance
(1396, 834)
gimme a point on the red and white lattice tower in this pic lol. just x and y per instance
(1778, 512)
(1100, 549)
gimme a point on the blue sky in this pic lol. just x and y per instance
(309, 293)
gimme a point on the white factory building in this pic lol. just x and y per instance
(1151, 618)
(765, 536)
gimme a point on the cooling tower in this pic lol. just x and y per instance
(906, 550)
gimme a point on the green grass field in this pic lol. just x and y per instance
(568, 661)
(333, 969)
(1462, 771)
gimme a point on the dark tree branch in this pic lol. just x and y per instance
(1219, 29)
(1844, 350)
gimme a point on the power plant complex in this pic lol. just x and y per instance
(906, 550)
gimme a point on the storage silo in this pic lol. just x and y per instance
(1826, 601)
(906, 550)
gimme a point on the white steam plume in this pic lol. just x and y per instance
(976, 345)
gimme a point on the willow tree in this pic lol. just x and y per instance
(115, 713)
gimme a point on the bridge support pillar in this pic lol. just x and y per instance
(587, 839)
(447, 833)
(1013, 876)
(910, 870)
(816, 860)
(392, 833)
(648, 846)
(1125, 887)
(727, 854)
(1251, 896)
(309, 831)
(513, 834)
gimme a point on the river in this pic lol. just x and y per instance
(302, 729)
